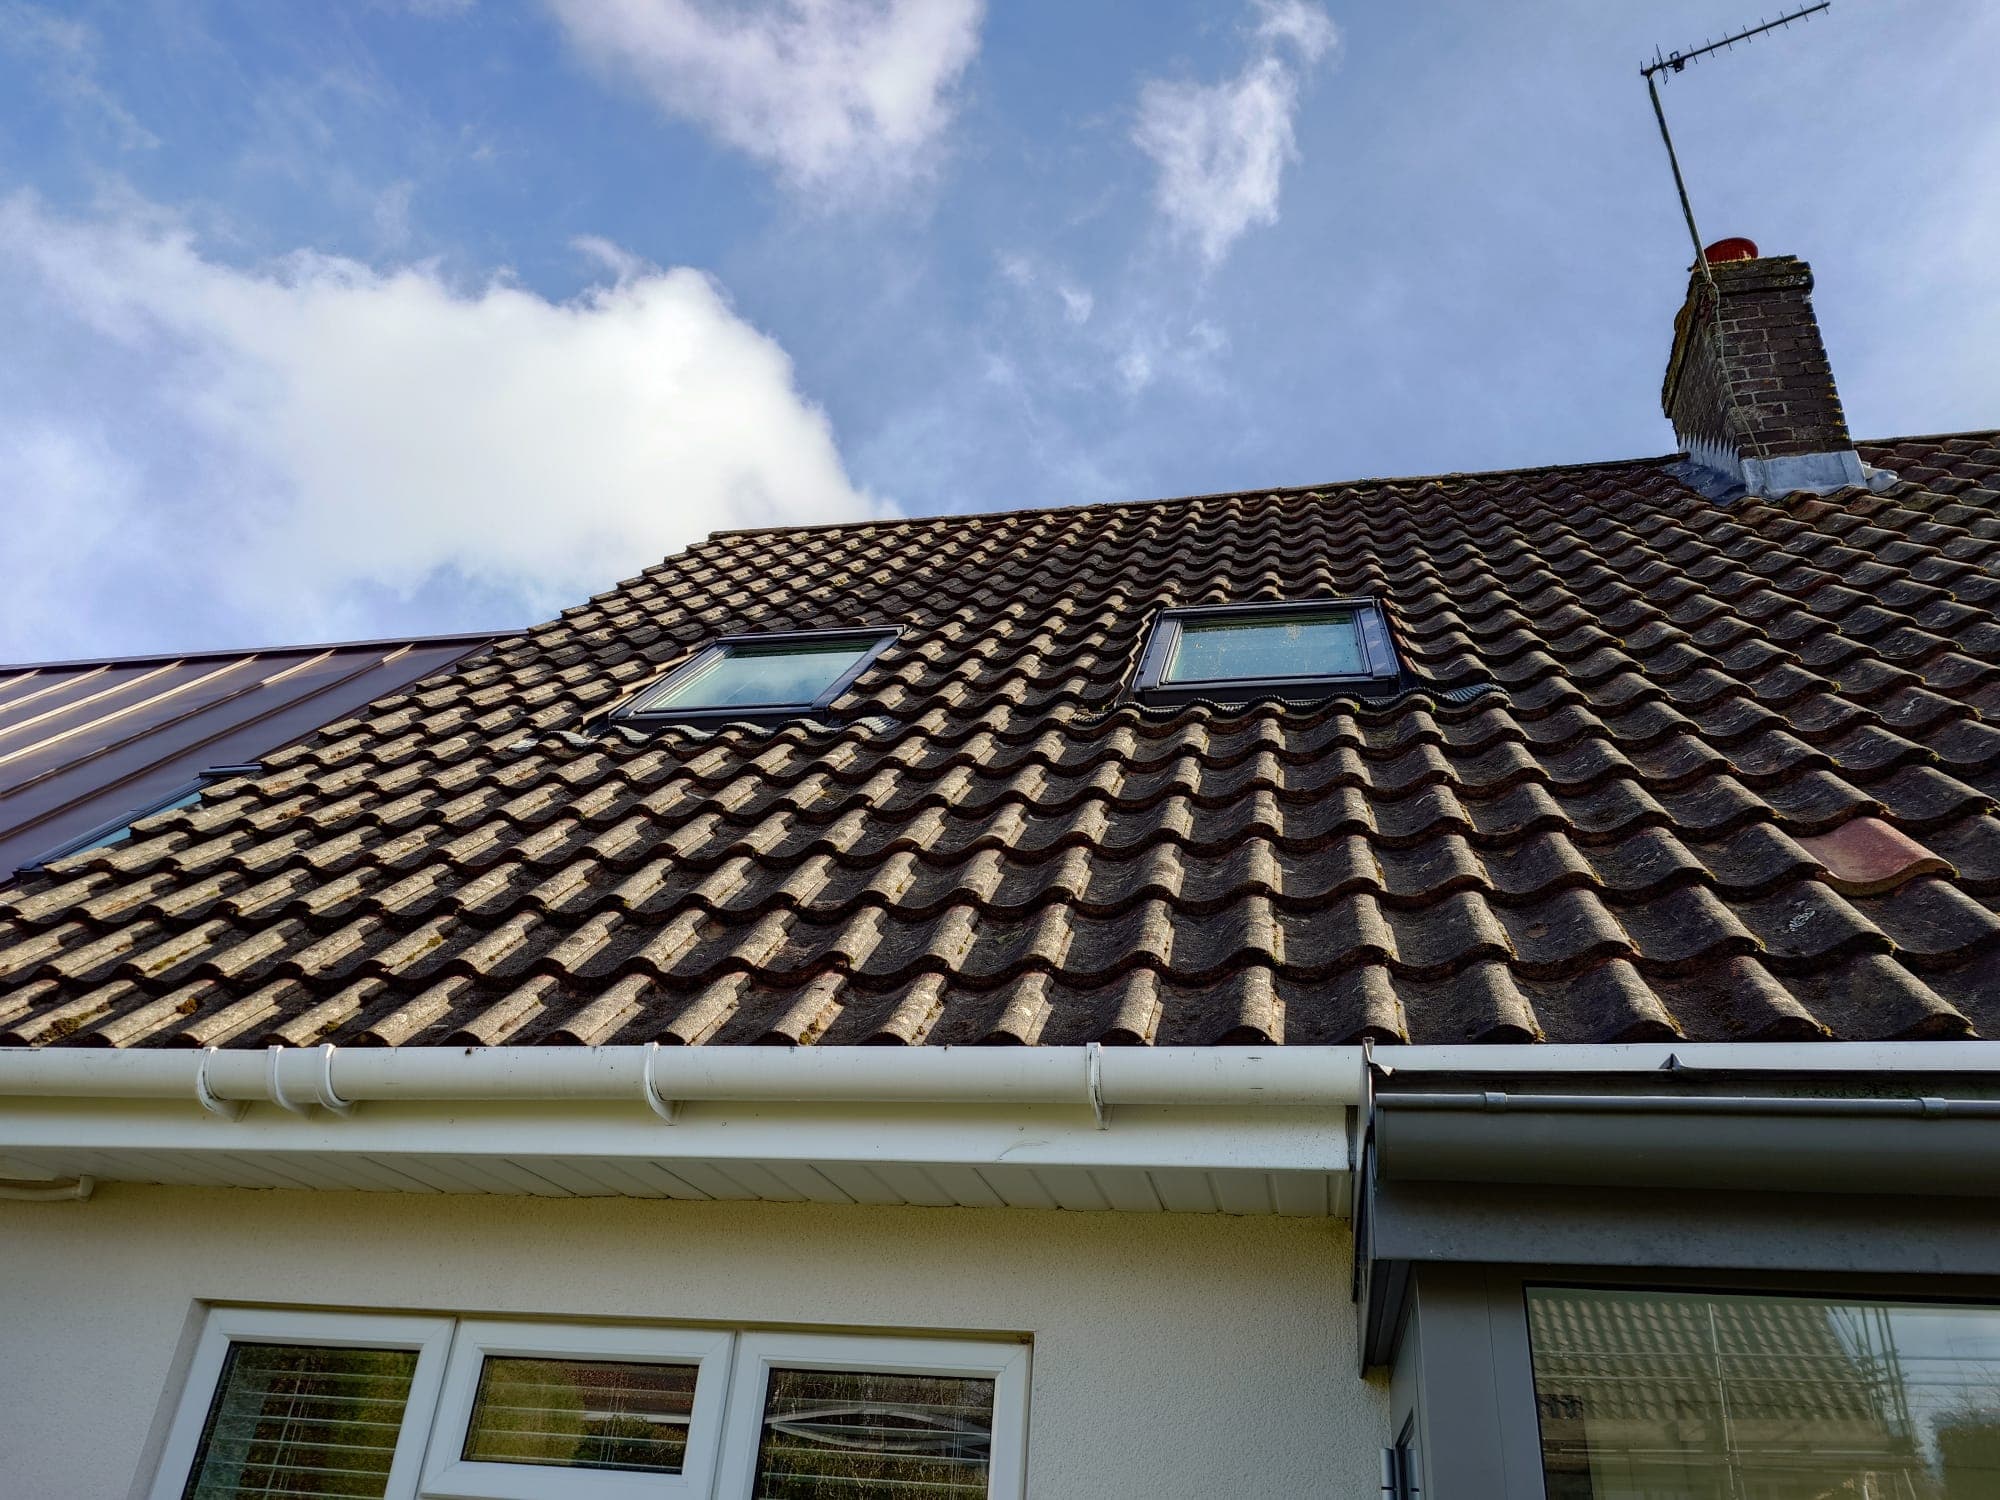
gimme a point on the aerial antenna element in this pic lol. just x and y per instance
(1674, 62)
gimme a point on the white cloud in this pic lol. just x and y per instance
(1025, 272)
(1152, 346)
(1220, 149)
(1304, 26)
(292, 439)
(67, 49)
(839, 95)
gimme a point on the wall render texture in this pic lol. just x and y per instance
(1174, 1355)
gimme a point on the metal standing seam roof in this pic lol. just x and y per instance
(1735, 779)
(86, 743)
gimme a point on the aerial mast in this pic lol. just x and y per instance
(1674, 62)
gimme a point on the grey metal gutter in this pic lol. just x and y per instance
(1925, 1145)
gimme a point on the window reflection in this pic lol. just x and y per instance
(1688, 1396)
(582, 1414)
(1322, 644)
(831, 1434)
(789, 672)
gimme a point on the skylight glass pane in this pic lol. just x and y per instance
(303, 1421)
(1687, 1396)
(120, 834)
(1232, 648)
(750, 676)
(830, 1435)
(582, 1414)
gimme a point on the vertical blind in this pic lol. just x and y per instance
(582, 1414)
(1693, 1396)
(300, 1420)
(835, 1435)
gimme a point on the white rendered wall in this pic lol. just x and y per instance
(1174, 1355)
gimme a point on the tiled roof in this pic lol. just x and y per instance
(85, 743)
(1655, 828)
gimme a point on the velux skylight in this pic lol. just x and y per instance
(1232, 653)
(761, 677)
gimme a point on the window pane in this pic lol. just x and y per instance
(745, 676)
(582, 1414)
(1322, 643)
(834, 1435)
(1665, 1396)
(121, 834)
(303, 1421)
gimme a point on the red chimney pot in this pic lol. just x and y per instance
(1734, 248)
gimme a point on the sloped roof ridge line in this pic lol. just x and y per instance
(1929, 437)
(1255, 492)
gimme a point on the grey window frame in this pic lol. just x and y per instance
(1462, 1379)
(635, 712)
(1384, 675)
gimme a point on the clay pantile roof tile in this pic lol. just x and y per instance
(1674, 769)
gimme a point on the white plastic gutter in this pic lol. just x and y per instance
(336, 1078)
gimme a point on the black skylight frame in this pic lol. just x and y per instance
(1383, 678)
(636, 713)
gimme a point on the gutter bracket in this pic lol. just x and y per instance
(667, 1109)
(328, 1099)
(1093, 1068)
(228, 1109)
(275, 1084)
(76, 1189)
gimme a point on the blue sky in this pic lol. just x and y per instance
(351, 320)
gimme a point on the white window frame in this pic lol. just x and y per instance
(451, 1477)
(757, 1354)
(724, 1429)
(428, 1336)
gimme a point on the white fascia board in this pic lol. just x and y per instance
(1224, 1110)
(1260, 1139)
(1849, 1059)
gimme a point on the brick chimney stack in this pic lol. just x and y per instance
(1748, 387)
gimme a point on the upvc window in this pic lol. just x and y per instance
(530, 1411)
(321, 1404)
(813, 1417)
(1234, 653)
(1710, 1396)
(760, 677)
(287, 1403)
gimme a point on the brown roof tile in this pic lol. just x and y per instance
(1738, 783)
